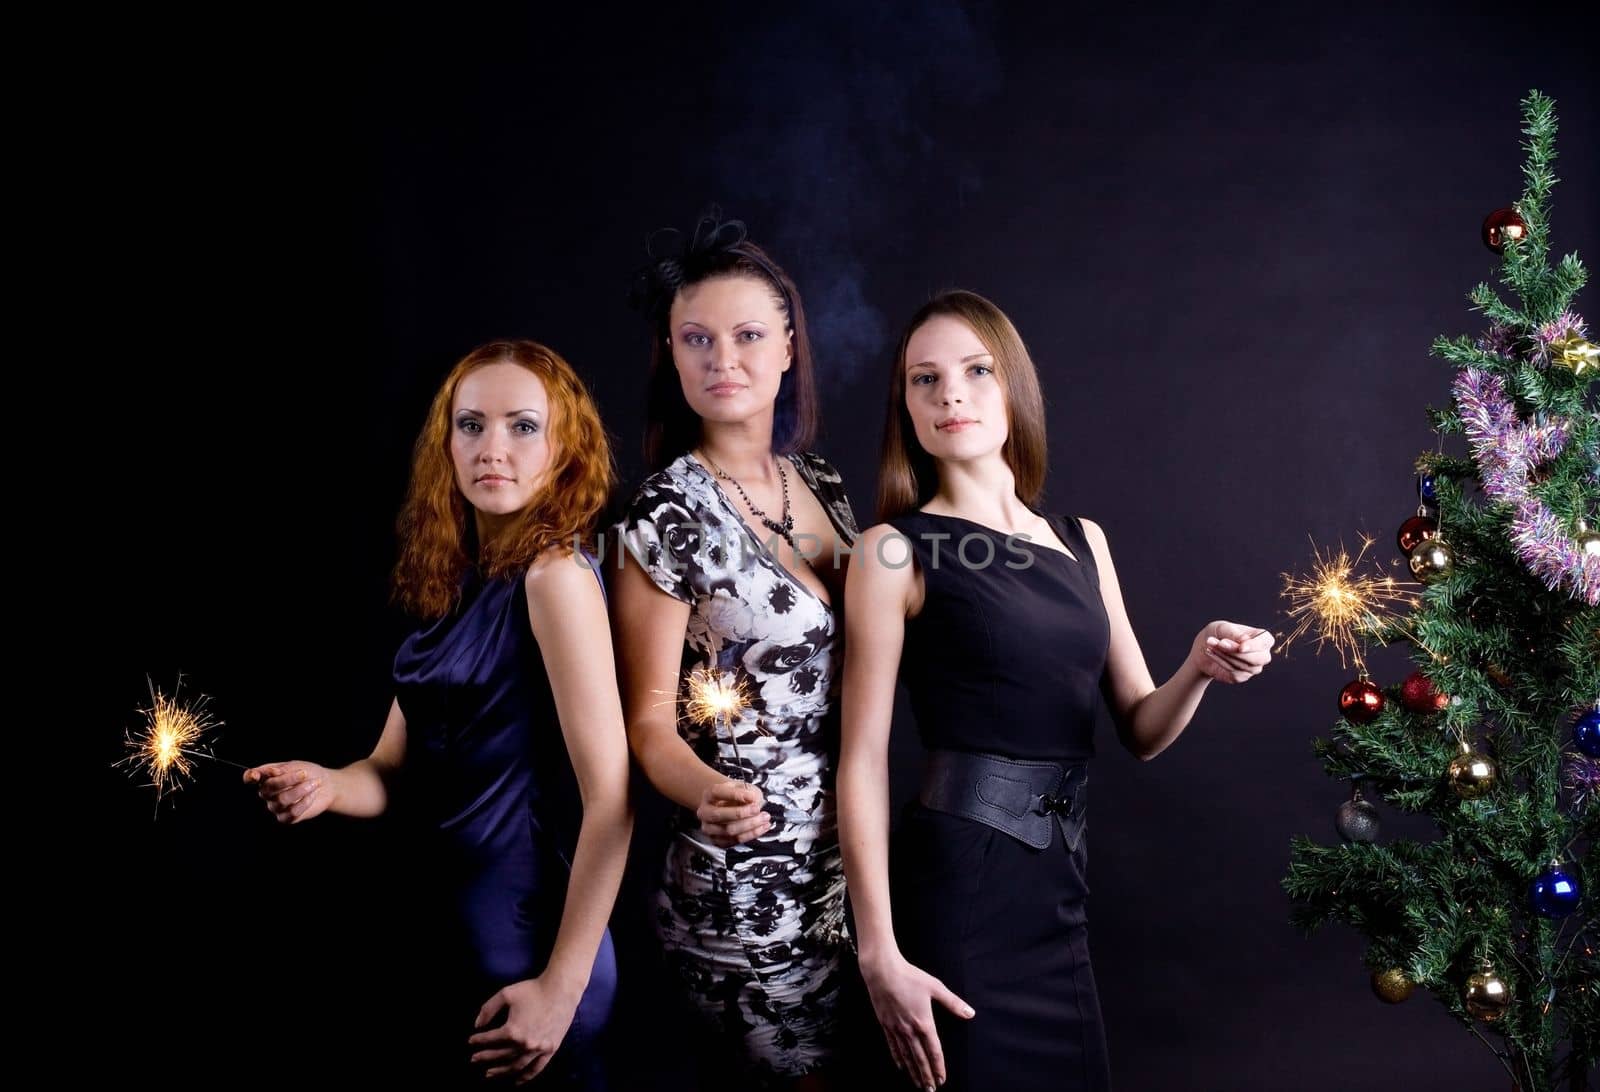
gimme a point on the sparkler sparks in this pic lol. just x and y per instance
(172, 736)
(717, 698)
(1343, 605)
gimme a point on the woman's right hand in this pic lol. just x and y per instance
(903, 997)
(730, 813)
(293, 791)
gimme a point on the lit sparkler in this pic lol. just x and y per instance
(172, 736)
(717, 698)
(1343, 605)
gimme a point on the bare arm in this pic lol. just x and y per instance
(881, 591)
(1149, 718)
(877, 599)
(568, 613)
(650, 627)
(566, 609)
(297, 791)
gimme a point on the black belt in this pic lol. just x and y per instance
(1023, 798)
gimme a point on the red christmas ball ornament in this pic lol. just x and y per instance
(1360, 701)
(1503, 226)
(1415, 530)
(1418, 694)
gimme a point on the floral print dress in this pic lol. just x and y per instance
(755, 931)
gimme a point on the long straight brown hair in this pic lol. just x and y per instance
(907, 475)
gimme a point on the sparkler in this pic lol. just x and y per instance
(715, 698)
(1343, 605)
(172, 736)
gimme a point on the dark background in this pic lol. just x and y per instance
(1228, 238)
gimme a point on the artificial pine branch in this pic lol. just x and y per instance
(1518, 660)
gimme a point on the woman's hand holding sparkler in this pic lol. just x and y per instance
(538, 1014)
(297, 791)
(293, 791)
(1231, 653)
(730, 813)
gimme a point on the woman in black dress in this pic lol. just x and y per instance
(1007, 627)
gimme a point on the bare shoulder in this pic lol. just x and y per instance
(883, 581)
(882, 548)
(1095, 536)
(561, 577)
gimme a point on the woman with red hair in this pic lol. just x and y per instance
(507, 724)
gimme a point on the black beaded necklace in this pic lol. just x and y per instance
(784, 527)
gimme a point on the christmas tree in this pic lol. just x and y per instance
(1496, 736)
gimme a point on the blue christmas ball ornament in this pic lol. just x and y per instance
(1555, 892)
(1586, 733)
(1425, 487)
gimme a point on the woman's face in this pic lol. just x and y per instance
(500, 439)
(953, 394)
(731, 347)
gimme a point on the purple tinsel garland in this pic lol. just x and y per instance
(1580, 774)
(1499, 340)
(1506, 451)
(1553, 331)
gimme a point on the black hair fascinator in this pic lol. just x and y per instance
(676, 258)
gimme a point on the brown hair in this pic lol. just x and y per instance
(907, 476)
(435, 524)
(671, 426)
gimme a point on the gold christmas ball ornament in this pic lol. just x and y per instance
(1392, 985)
(1432, 560)
(1572, 351)
(1487, 995)
(1471, 774)
(1588, 540)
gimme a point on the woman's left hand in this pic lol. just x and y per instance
(537, 1018)
(1231, 653)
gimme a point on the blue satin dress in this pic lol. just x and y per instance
(488, 779)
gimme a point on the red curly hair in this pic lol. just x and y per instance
(435, 520)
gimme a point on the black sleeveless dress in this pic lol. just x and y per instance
(1005, 658)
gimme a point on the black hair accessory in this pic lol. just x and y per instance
(676, 258)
